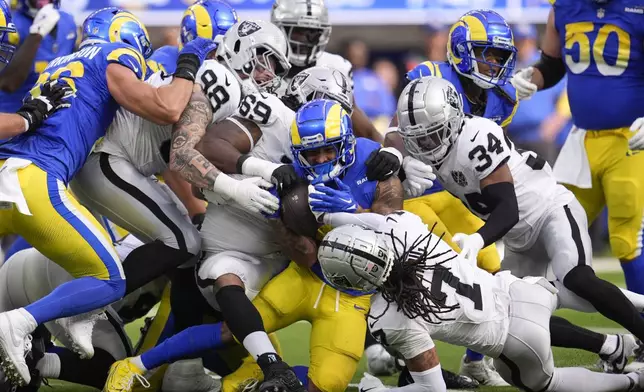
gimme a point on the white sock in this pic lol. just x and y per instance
(138, 363)
(258, 343)
(49, 366)
(609, 346)
(636, 299)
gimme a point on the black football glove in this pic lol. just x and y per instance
(285, 178)
(52, 97)
(383, 163)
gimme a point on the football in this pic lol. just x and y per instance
(296, 214)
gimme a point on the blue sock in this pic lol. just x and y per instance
(473, 356)
(302, 373)
(189, 343)
(75, 297)
(634, 274)
(18, 245)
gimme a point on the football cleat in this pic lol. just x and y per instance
(616, 362)
(79, 329)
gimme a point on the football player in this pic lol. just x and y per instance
(33, 112)
(514, 192)
(306, 26)
(36, 47)
(207, 19)
(426, 290)
(599, 45)
(36, 168)
(331, 312)
(481, 57)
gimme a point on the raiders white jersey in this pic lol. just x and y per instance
(141, 141)
(328, 60)
(472, 305)
(480, 148)
(228, 226)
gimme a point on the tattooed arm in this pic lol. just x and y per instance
(389, 196)
(301, 249)
(186, 133)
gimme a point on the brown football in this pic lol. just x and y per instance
(296, 214)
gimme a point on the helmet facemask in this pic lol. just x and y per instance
(341, 148)
(6, 49)
(265, 69)
(492, 64)
(306, 41)
(431, 144)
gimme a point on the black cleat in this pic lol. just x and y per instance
(452, 380)
(278, 376)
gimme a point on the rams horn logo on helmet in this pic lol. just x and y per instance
(248, 28)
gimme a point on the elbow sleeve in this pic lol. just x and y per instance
(502, 199)
(552, 69)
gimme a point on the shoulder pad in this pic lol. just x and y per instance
(221, 87)
(125, 55)
(507, 92)
(264, 109)
(430, 68)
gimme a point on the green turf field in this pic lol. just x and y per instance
(294, 341)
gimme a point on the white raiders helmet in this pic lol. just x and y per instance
(355, 258)
(307, 28)
(253, 46)
(430, 117)
(319, 83)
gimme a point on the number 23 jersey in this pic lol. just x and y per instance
(480, 148)
(474, 304)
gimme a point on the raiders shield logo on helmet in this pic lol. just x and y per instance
(298, 80)
(247, 28)
(459, 178)
(451, 97)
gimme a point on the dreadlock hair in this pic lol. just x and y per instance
(406, 285)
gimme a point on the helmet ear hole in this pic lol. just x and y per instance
(247, 68)
(237, 46)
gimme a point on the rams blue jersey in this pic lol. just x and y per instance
(363, 190)
(63, 142)
(163, 59)
(500, 107)
(603, 49)
(60, 42)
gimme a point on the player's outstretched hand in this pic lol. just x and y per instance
(636, 142)
(419, 177)
(470, 245)
(252, 194)
(383, 163)
(200, 47)
(52, 97)
(326, 199)
(371, 384)
(522, 81)
(45, 20)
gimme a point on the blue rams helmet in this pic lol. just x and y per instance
(207, 19)
(31, 7)
(322, 125)
(481, 47)
(114, 24)
(6, 28)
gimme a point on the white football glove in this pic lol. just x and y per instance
(371, 384)
(45, 20)
(470, 245)
(379, 361)
(420, 177)
(249, 193)
(636, 142)
(522, 81)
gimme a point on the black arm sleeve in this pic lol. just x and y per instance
(553, 69)
(500, 197)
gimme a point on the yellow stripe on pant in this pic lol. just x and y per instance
(450, 217)
(60, 228)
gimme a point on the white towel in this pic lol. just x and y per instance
(572, 166)
(10, 191)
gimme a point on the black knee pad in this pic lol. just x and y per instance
(579, 277)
